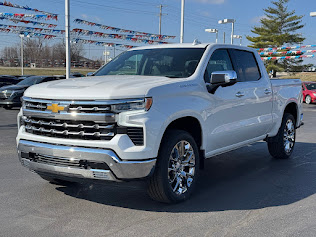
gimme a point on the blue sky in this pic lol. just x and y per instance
(142, 15)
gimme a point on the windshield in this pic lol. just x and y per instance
(30, 81)
(169, 62)
(311, 86)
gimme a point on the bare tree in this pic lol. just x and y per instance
(37, 50)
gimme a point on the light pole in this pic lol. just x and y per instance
(106, 54)
(227, 21)
(213, 31)
(22, 55)
(238, 37)
(22, 66)
(182, 21)
(67, 35)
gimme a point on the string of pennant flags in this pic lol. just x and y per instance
(84, 41)
(19, 15)
(48, 14)
(16, 21)
(286, 48)
(286, 52)
(26, 33)
(32, 29)
(105, 27)
(134, 38)
(287, 57)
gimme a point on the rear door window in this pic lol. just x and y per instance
(245, 65)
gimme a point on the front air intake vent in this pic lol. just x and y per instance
(136, 135)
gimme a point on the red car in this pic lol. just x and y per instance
(309, 92)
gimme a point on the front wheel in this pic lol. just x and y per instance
(308, 99)
(177, 168)
(281, 146)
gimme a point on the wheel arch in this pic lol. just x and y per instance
(292, 108)
(193, 126)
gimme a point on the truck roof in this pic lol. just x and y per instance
(190, 45)
(184, 45)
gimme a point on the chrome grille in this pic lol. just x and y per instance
(89, 109)
(85, 120)
(75, 106)
(58, 161)
(69, 129)
(65, 161)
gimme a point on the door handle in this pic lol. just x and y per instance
(267, 91)
(239, 94)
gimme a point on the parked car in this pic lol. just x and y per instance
(158, 119)
(309, 92)
(76, 74)
(10, 96)
(8, 80)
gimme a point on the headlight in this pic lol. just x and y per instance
(314, 94)
(7, 92)
(143, 104)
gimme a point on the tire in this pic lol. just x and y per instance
(174, 178)
(308, 99)
(56, 181)
(282, 145)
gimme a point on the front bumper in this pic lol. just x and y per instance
(62, 161)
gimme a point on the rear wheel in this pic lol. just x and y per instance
(177, 168)
(308, 99)
(281, 146)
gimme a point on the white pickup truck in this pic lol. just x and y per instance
(156, 113)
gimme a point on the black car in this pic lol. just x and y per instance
(10, 96)
(8, 80)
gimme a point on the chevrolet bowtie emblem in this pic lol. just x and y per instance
(55, 108)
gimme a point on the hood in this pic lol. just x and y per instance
(14, 87)
(97, 87)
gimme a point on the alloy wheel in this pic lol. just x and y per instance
(289, 136)
(181, 167)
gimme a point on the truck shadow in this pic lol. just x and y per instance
(247, 178)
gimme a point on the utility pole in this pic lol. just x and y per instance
(160, 16)
(67, 34)
(224, 37)
(182, 21)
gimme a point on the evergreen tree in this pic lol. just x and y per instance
(278, 27)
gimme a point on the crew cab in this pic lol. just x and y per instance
(156, 113)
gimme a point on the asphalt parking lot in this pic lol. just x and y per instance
(241, 193)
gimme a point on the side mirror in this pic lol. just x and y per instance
(90, 74)
(223, 78)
